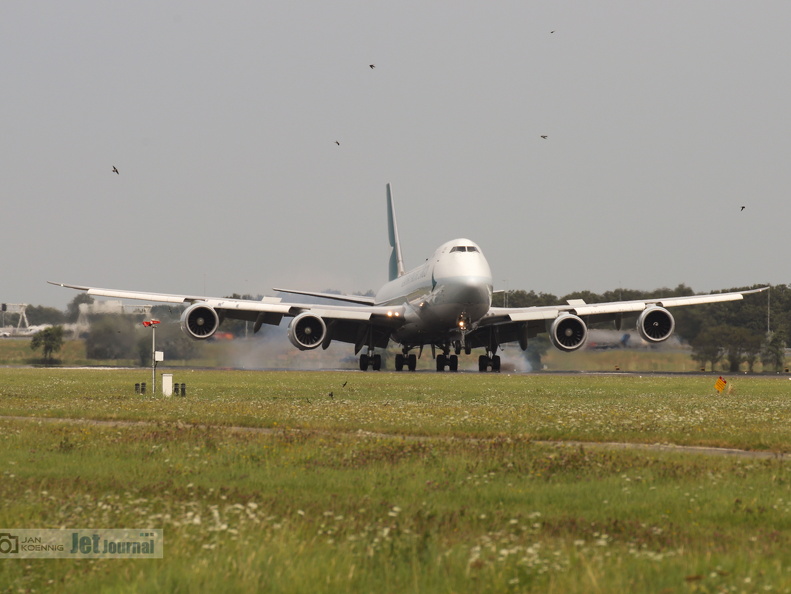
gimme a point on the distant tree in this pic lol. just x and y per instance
(49, 340)
(39, 314)
(171, 341)
(707, 346)
(773, 354)
(73, 308)
(737, 343)
(521, 298)
(110, 337)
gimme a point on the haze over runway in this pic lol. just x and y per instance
(582, 146)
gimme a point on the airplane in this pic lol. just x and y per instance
(445, 303)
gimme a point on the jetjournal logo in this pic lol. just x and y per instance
(81, 543)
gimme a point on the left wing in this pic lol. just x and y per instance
(567, 324)
(313, 324)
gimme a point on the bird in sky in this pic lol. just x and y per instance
(372, 66)
(338, 143)
(551, 31)
(743, 207)
(544, 136)
(115, 170)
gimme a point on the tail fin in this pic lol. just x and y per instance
(396, 260)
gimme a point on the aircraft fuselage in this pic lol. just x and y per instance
(444, 296)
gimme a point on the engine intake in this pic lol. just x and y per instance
(306, 331)
(199, 321)
(568, 332)
(655, 324)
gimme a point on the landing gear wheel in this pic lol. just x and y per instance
(399, 362)
(484, 362)
(412, 362)
(441, 363)
(363, 362)
(377, 362)
(453, 365)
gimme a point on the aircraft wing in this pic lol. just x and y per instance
(518, 323)
(348, 322)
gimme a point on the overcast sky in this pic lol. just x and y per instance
(662, 120)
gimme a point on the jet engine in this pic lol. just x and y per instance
(199, 321)
(568, 332)
(306, 331)
(655, 324)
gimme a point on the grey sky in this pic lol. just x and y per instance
(663, 119)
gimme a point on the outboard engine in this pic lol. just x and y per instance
(655, 324)
(306, 331)
(199, 321)
(568, 332)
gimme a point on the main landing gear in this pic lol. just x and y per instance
(490, 361)
(372, 361)
(405, 359)
(449, 361)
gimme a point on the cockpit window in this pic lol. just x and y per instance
(464, 248)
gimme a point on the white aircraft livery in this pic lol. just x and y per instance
(446, 303)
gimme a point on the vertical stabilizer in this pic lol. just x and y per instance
(396, 260)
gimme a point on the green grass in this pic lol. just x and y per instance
(316, 502)
(751, 414)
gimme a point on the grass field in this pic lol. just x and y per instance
(423, 482)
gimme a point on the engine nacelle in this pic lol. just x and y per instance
(568, 332)
(655, 324)
(306, 331)
(199, 321)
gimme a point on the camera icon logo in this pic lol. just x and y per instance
(9, 543)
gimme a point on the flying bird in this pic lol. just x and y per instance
(338, 143)
(372, 66)
(743, 207)
(331, 396)
(344, 384)
(544, 136)
(115, 170)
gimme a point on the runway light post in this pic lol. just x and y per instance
(155, 355)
